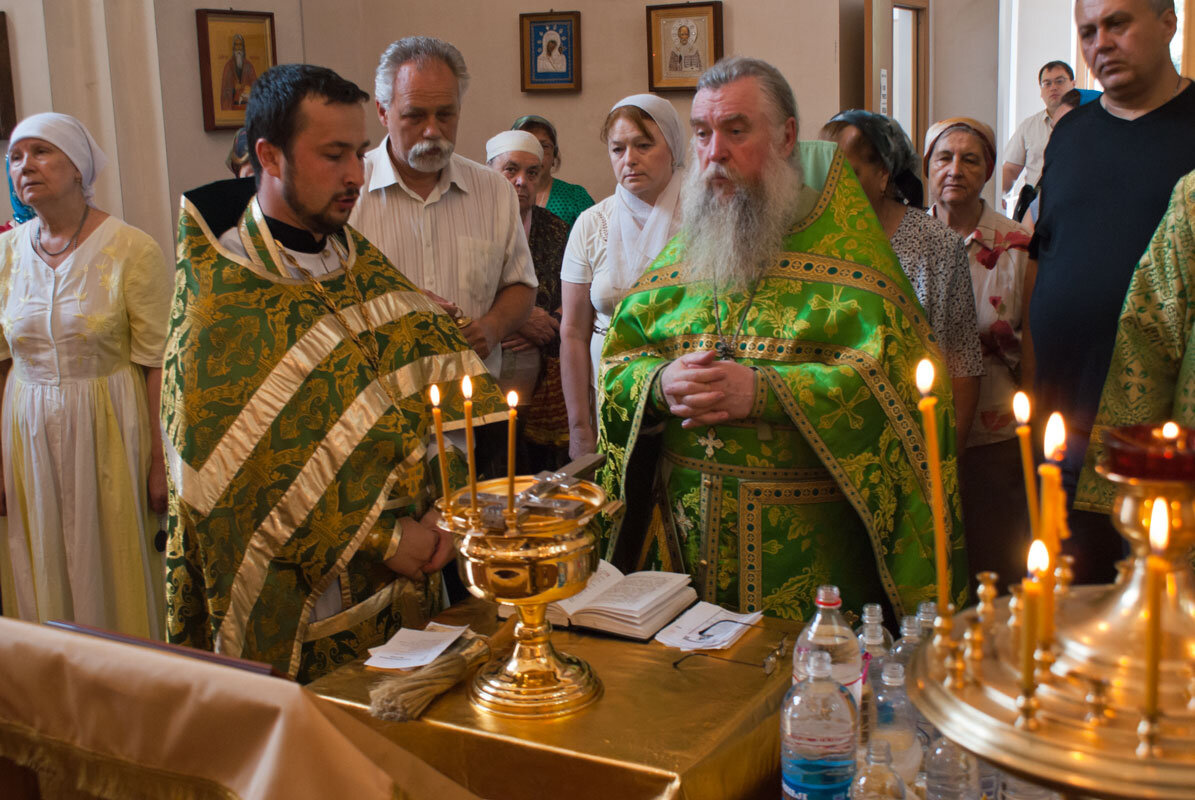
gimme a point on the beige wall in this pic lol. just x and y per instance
(965, 63)
(141, 95)
(195, 156)
(800, 38)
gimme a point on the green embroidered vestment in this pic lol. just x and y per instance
(1152, 375)
(827, 481)
(290, 462)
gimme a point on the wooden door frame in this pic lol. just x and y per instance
(877, 37)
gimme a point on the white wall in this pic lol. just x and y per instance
(800, 38)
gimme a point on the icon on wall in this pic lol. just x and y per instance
(550, 51)
(683, 40)
(234, 48)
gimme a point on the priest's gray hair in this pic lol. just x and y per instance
(775, 87)
(419, 49)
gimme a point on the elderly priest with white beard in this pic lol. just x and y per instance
(759, 411)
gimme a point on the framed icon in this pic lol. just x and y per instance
(550, 51)
(683, 40)
(234, 48)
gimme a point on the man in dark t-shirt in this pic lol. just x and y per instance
(1109, 169)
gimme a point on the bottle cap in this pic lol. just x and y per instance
(873, 613)
(879, 751)
(817, 664)
(894, 674)
(828, 597)
(927, 611)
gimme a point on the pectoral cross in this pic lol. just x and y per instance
(723, 349)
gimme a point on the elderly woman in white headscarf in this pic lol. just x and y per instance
(84, 301)
(613, 242)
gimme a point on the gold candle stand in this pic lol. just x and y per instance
(529, 559)
(1081, 729)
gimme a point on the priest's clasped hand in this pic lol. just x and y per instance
(704, 391)
(424, 547)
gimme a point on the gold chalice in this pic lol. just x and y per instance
(542, 553)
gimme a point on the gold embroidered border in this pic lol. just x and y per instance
(346, 619)
(809, 430)
(711, 519)
(828, 189)
(745, 473)
(751, 526)
(292, 508)
(823, 269)
(201, 488)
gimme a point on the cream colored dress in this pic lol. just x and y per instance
(75, 428)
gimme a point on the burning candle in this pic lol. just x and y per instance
(1030, 612)
(1156, 571)
(467, 391)
(512, 400)
(1020, 408)
(442, 453)
(927, 404)
(1053, 507)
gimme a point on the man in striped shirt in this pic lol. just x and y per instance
(450, 224)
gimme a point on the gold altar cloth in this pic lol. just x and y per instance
(708, 730)
(98, 718)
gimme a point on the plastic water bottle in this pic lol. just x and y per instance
(927, 612)
(829, 632)
(874, 652)
(1016, 789)
(873, 613)
(894, 720)
(910, 637)
(818, 728)
(876, 779)
(951, 773)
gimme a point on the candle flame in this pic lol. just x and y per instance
(925, 376)
(435, 393)
(1159, 524)
(1170, 431)
(1039, 557)
(1055, 442)
(467, 388)
(1020, 407)
(512, 399)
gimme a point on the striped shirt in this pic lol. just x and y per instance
(465, 242)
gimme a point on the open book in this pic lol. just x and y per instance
(636, 606)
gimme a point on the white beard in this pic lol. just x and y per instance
(730, 242)
(420, 159)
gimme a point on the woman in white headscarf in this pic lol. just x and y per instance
(613, 242)
(84, 302)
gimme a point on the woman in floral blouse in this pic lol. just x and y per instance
(960, 155)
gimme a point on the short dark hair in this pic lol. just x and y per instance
(1070, 73)
(273, 110)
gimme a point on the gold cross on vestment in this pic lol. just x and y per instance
(711, 443)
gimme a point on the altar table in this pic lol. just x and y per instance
(707, 730)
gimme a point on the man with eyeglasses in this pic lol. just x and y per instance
(1026, 149)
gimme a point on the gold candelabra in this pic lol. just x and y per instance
(530, 552)
(1085, 722)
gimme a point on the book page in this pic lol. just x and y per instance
(638, 591)
(605, 576)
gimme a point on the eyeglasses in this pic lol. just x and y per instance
(769, 663)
